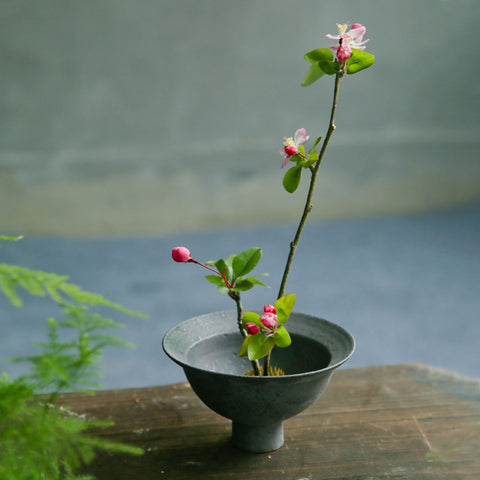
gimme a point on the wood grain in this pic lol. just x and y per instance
(393, 422)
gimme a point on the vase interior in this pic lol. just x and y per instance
(220, 354)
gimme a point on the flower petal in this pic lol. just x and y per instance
(301, 136)
(358, 32)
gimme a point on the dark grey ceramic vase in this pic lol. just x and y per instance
(207, 348)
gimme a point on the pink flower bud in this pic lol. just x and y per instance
(252, 328)
(269, 309)
(290, 150)
(181, 254)
(343, 52)
(269, 319)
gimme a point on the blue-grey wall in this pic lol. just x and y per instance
(155, 116)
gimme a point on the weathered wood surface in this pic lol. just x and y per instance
(394, 422)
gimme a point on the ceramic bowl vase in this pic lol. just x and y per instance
(207, 348)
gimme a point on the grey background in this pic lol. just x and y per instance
(128, 127)
(156, 116)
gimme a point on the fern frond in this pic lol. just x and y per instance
(40, 283)
(39, 439)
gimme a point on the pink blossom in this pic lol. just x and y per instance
(343, 52)
(290, 145)
(269, 319)
(269, 309)
(348, 39)
(252, 328)
(181, 254)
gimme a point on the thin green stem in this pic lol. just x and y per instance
(238, 302)
(308, 201)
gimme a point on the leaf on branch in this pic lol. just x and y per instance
(359, 60)
(251, 317)
(259, 346)
(244, 348)
(322, 62)
(315, 143)
(246, 261)
(318, 55)
(284, 306)
(291, 180)
(282, 338)
(313, 74)
(215, 279)
(242, 285)
(256, 281)
(224, 267)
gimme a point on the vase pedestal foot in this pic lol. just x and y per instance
(257, 438)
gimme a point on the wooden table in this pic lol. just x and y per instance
(393, 422)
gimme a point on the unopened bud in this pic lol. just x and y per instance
(269, 319)
(252, 328)
(269, 309)
(181, 254)
(291, 150)
(344, 52)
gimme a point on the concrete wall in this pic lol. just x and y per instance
(139, 117)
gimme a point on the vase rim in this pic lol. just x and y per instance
(338, 336)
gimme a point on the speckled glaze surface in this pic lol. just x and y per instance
(207, 348)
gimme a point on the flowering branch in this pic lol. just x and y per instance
(308, 202)
(229, 276)
(262, 333)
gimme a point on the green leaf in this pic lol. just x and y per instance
(292, 179)
(224, 267)
(313, 74)
(329, 67)
(215, 279)
(315, 143)
(282, 337)
(284, 306)
(319, 55)
(312, 158)
(244, 348)
(256, 281)
(259, 346)
(242, 285)
(251, 317)
(359, 60)
(322, 61)
(246, 261)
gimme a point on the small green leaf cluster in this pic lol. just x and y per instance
(260, 344)
(322, 62)
(292, 178)
(233, 271)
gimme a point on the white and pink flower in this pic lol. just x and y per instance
(290, 145)
(348, 39)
